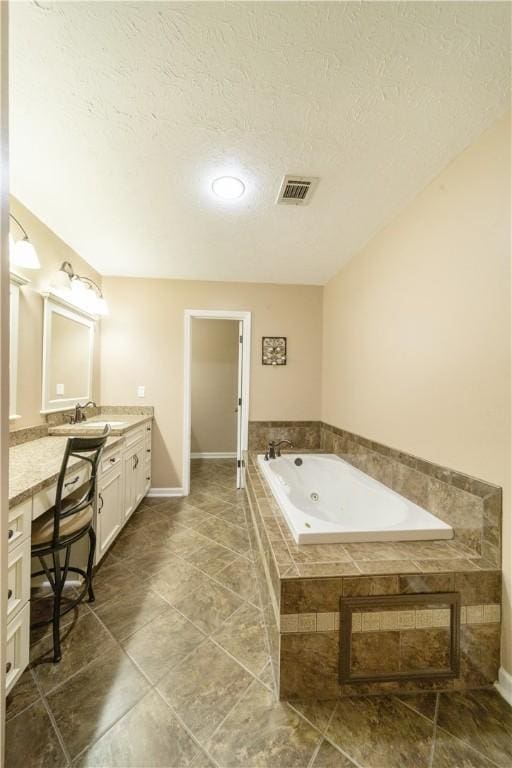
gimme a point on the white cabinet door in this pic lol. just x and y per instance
(109, 517)
(140, 473)
(129, 483)
(134, 477)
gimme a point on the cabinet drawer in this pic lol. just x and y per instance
(134, 435)
(17, 647)
(45, 499)
(20, 519)
(110, 461)
(18, 578)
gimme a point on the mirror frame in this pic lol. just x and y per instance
(15, 283)
(54, 304)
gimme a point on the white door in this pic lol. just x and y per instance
(239, 455)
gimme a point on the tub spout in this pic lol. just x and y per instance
(274, 449)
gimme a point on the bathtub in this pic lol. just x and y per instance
(324, 499)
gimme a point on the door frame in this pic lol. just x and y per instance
(213, 314)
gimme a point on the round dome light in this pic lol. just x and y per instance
(228, 187)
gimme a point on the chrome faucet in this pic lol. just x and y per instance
(79, 412)
(274, 449)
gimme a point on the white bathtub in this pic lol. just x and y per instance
(326, 500)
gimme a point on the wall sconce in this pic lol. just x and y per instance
(86, 291)
(22, 253)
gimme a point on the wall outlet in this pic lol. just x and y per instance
(60, 389)
(141, 391)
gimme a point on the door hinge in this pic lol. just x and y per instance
(239, 463)
(241, 339)
(239, 401)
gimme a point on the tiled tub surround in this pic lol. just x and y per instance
(471, 506)
(301, 587)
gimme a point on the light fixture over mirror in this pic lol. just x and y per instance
(85, 292)
(22, 253)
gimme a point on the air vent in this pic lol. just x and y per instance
(296, 190)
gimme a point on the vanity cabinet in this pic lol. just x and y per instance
(124, 479)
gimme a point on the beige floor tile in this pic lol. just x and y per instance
(81, 643)
(260, 731)
(162, 644)
(148, 736)
(31, 741)
(204, 687)
(380, 731)
(89, 703)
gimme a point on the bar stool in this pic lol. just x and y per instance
(70, 519)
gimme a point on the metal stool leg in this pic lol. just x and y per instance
(58, 585)
(90, 561)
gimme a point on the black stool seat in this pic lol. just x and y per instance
(43, 527)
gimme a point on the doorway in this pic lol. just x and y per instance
(216, 388)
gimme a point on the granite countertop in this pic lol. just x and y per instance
(122, 422)
(36, 464)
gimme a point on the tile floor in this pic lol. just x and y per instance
(169, 667)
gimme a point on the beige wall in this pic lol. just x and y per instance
(214, 385)
(416, 347)
(52, 251)
(142, 343)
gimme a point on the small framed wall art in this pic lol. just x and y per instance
(273, 350)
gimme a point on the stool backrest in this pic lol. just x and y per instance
(87, 449)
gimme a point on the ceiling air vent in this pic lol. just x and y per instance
(296, 190)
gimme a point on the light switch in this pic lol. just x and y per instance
(141, 389)
(60, 389)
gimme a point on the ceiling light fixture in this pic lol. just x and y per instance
(22, 253)
(228, 187)
(86, 291)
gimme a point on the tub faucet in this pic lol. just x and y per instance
(274, 449)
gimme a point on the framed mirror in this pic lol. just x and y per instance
(68, 347)
(15, 283)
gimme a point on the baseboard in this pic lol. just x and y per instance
(165, 492)
(214, 455)
(504, 684)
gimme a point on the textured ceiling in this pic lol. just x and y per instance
(122, 113)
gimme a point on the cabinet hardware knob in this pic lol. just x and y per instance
(8, 667)
(113, 460)
(148, 429)
(148, 478)
(9, 594)
(72, 482)
(100, 497)
(10, 534)
(148, 450)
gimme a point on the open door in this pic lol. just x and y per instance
(239, 447)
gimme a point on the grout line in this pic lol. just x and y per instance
(186, 728)
(53, 720)
(471, 747)
(434, 734)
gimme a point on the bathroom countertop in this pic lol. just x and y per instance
(349, 559)
(122, 423)
(36, 464)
